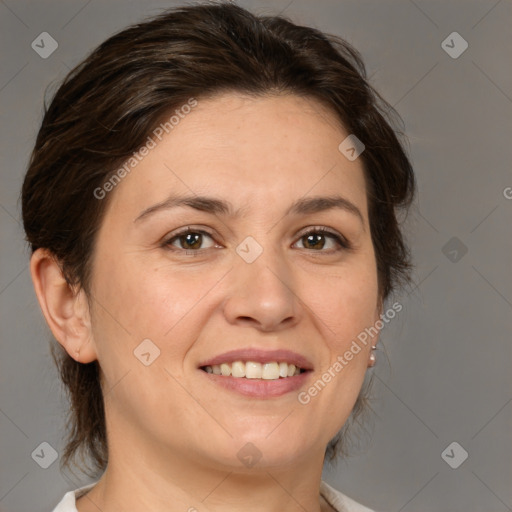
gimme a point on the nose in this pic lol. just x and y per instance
(262, 294)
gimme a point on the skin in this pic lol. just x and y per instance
(174, 436)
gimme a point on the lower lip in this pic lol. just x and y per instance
(259, 388)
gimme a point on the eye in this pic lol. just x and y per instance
(318, 238)
(189, 239)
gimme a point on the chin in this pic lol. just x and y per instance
(262, 450)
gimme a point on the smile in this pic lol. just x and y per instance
(254, 370)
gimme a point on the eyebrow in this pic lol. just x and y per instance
(303, 206)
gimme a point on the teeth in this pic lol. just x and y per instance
(237, 369)
(270, 371)
(253, 370)
(225, 369)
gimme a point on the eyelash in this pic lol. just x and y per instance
(342, 242)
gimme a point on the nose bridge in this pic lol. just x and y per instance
(262, 291)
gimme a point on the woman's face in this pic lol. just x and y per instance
(247, 283)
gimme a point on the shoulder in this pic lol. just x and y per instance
(339, 501)
(68, 502)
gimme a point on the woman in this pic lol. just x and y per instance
(211, 206)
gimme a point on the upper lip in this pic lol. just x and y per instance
(260, 356)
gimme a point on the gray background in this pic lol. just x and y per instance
(445, 374)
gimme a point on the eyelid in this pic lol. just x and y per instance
(340, 239)
(183, 231)
(188, 229)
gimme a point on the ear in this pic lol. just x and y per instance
(66, 311)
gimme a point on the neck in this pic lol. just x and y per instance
(145, 479)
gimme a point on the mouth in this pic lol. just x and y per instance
(271, 370)
(258, 373)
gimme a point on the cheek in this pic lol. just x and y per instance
(348, 307)
(137, 301)
(356, 312)
(141, 309)
(347, 302)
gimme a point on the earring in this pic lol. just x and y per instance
(373, 359)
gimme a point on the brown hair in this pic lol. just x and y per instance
(109, 104)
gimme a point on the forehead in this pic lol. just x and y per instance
(254, 151)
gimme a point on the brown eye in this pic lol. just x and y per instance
(319, 238)
(314, 241)
(189, 240)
